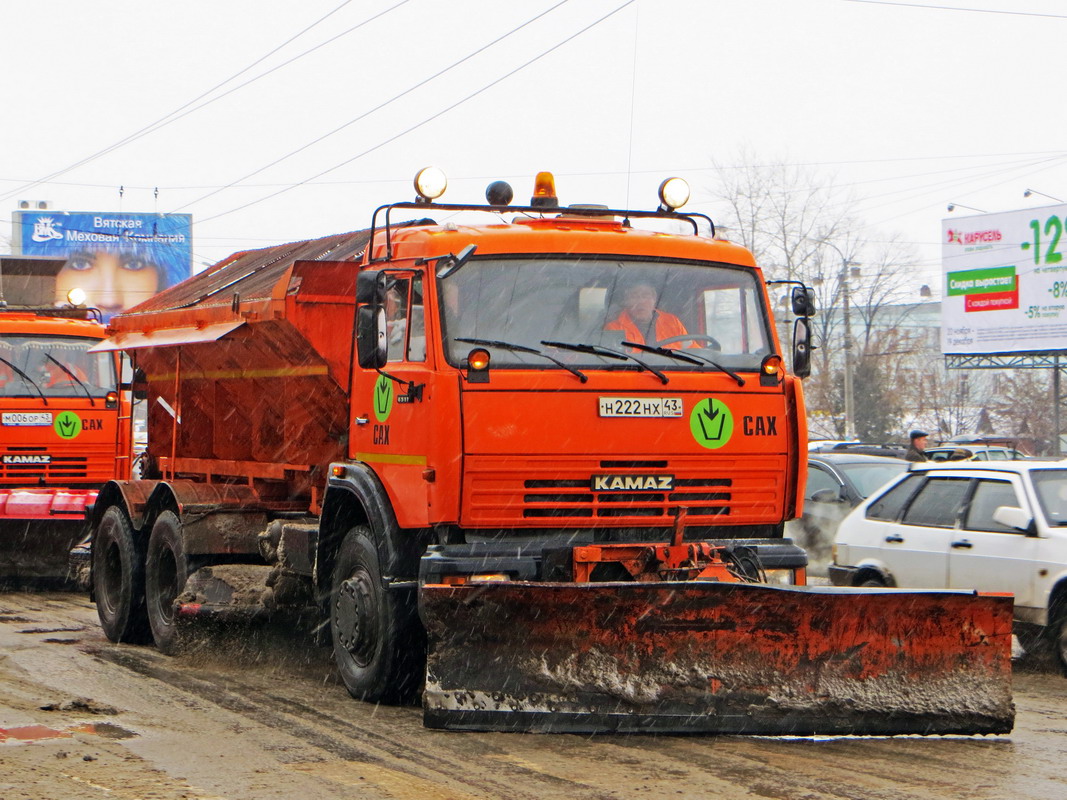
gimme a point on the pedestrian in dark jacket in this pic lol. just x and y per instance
(917, 448)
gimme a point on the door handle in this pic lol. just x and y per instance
(963, 543)
(894, 538)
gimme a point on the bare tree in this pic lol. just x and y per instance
(1023, 403)
(798, 224)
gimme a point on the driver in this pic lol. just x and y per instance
(642, 322)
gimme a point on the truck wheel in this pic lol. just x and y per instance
(118, 580)
(376, 640)
(166, 570)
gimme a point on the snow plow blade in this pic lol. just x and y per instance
(706, 657)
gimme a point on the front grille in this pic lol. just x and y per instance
(94, 467)
(625, 504)
(527, 492)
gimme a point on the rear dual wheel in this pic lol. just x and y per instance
(119, 580)
(166, 572)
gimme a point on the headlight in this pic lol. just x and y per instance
(779, 577)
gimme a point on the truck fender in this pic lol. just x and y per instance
(130, 496)
(359, 498)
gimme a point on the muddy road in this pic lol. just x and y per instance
(259, 714)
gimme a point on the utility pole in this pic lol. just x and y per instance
(850, 409)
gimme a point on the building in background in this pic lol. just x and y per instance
(117, 259)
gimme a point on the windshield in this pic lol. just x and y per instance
(1051, 487)
(54, 366)
(709, 311)
(869, 477)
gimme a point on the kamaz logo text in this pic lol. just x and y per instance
(632, 483)
(27, 459)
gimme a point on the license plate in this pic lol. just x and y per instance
(640, 406)
(29, 419)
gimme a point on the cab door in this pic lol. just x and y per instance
(391, 406)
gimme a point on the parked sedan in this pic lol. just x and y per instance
(972, 452)
(837, 482)
(994, 527)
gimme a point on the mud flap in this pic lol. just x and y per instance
(703, 657)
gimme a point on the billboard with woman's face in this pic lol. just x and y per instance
(117, 259)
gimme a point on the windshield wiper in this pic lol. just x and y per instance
(521, 348)
(607, 352)
(26, 378)
(692, 358)
(63, 367)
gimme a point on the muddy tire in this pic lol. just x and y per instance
(118, 580)
(166, 571)
(377, 640)
(874, 583)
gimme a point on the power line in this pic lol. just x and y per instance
(185, 109)
(378, 107)
(429, 119)
(957, 8)
(703, 168)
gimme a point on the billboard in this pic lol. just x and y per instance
(1005, 282)
(118, 259)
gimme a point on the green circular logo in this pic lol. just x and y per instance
(68, 425)
(383, 398)
(712, 423)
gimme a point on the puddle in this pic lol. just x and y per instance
(26, 734)
(108, 730)
(78, 629)
(13, 618)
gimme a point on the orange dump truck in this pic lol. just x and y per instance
(64, 423)
(535, 465)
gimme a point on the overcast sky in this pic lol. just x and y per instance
(913, 105)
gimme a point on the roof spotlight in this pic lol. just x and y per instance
(76, 296)
(673, 194)
(430, 183)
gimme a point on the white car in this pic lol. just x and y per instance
(993, 527)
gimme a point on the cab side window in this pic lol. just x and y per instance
(989, 496)
(396, 317)
(938, 503)
(405, 318)
(417, 337)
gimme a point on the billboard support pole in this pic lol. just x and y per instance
(1055, 404)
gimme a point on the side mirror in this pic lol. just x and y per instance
(802, 347)
(827, 496)
(139, 385)
(370, 287)
(372, 346)
(803, 301)
(1013, 517)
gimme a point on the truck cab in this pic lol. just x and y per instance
(65, 433)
